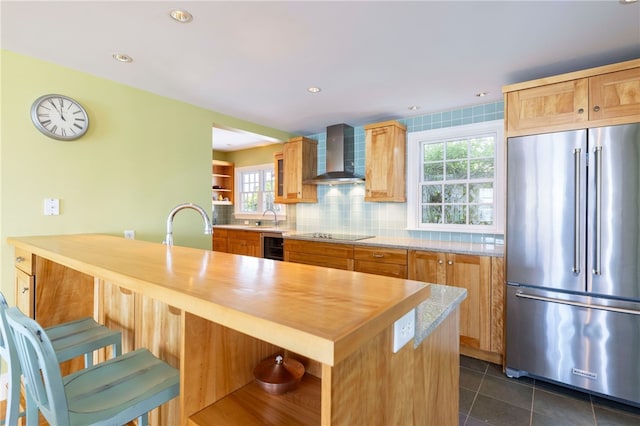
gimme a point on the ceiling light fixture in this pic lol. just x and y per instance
(482, 94)
(122, 57)
(314, 90)
(628, 1)
(181, 15)
(414, 107)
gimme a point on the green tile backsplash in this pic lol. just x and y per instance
(342, 209)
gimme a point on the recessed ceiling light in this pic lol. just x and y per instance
(314, 89)
(628, 1)
(482, 94)
(414, 107)
(181, 16)
(122, 57)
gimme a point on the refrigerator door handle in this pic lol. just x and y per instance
(523, 295)
(598, 201)
(576, 211)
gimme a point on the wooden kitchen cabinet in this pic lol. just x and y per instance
(329, 255)
(385, 145)
(481, 313)
(391, 262)
(298, 162)
(219, 240)
(596, 97)
(222, 181)
(244, 242)
(25, 282)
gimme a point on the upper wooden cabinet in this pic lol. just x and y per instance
(385, 145)
(602, 96)
(222, 177)
(297, 162)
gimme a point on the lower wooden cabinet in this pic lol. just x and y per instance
(233, 241)
(390, 262)
(481, 313)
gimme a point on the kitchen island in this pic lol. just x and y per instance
(215, 316)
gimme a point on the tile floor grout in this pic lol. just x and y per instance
(490, 398)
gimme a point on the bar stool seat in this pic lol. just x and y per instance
(69, 340)
(113, 392)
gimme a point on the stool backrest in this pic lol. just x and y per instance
(39, 366)
(5, 344)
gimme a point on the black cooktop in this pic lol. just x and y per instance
(330, 236)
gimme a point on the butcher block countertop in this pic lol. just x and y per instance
(324, 314)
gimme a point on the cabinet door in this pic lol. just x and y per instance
(300, 162)
(246, 243)
(547, 106)
(474, 274)
(160, 331)
(385, 162)
(615, 95)
(427, 266)
(25, 292)
(219, 238)
(278, 172)
(117, 311)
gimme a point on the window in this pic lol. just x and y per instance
(455, 179)
(255, 192)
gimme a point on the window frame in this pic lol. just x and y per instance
(281, 210)
(414, 178)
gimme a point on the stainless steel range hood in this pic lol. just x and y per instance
(340, 155)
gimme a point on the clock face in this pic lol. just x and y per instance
(59, 117)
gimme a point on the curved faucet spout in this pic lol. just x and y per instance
(205, 217)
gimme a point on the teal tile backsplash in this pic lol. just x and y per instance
(342, 209)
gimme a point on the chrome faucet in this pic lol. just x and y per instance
(275, 216)
(207, 222)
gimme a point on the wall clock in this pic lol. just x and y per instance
(59, 117)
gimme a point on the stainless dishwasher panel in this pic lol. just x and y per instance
(587, 342)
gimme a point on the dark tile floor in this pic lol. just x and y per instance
(488, 397)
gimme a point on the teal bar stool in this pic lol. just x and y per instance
(69, 340)
(113, 392)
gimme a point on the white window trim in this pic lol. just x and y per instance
(237, 189)
(413, 175)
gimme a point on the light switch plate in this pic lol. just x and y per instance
(404, 330)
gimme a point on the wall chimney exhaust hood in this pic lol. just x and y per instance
(340, 155)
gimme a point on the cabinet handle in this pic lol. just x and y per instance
(19, 259)
(596, 108)
(581, 111)
(25, 289)
(379, 255)
(450, 262)
(440, 261)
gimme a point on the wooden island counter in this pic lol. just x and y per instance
(215, 316)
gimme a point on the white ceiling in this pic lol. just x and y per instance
(255, 60)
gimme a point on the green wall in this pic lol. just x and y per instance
(249, 157)
(142, 155)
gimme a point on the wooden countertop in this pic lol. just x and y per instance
(324, 314)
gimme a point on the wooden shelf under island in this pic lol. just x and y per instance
(215, 316)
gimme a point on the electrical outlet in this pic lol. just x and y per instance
(130, 234)
(51, 206)
(404, 330)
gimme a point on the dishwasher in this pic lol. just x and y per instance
(272, 246)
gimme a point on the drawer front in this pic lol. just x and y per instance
(246, 236)
(24, 261)
(220, 233)
(320, 248)
(383, 255)
(320, 260)
(379, 268)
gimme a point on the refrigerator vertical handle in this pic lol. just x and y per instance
(598, 231)
(576, 211)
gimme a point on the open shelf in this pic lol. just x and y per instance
(250, 405)
(222, 177)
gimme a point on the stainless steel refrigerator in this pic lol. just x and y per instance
(573, 259)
